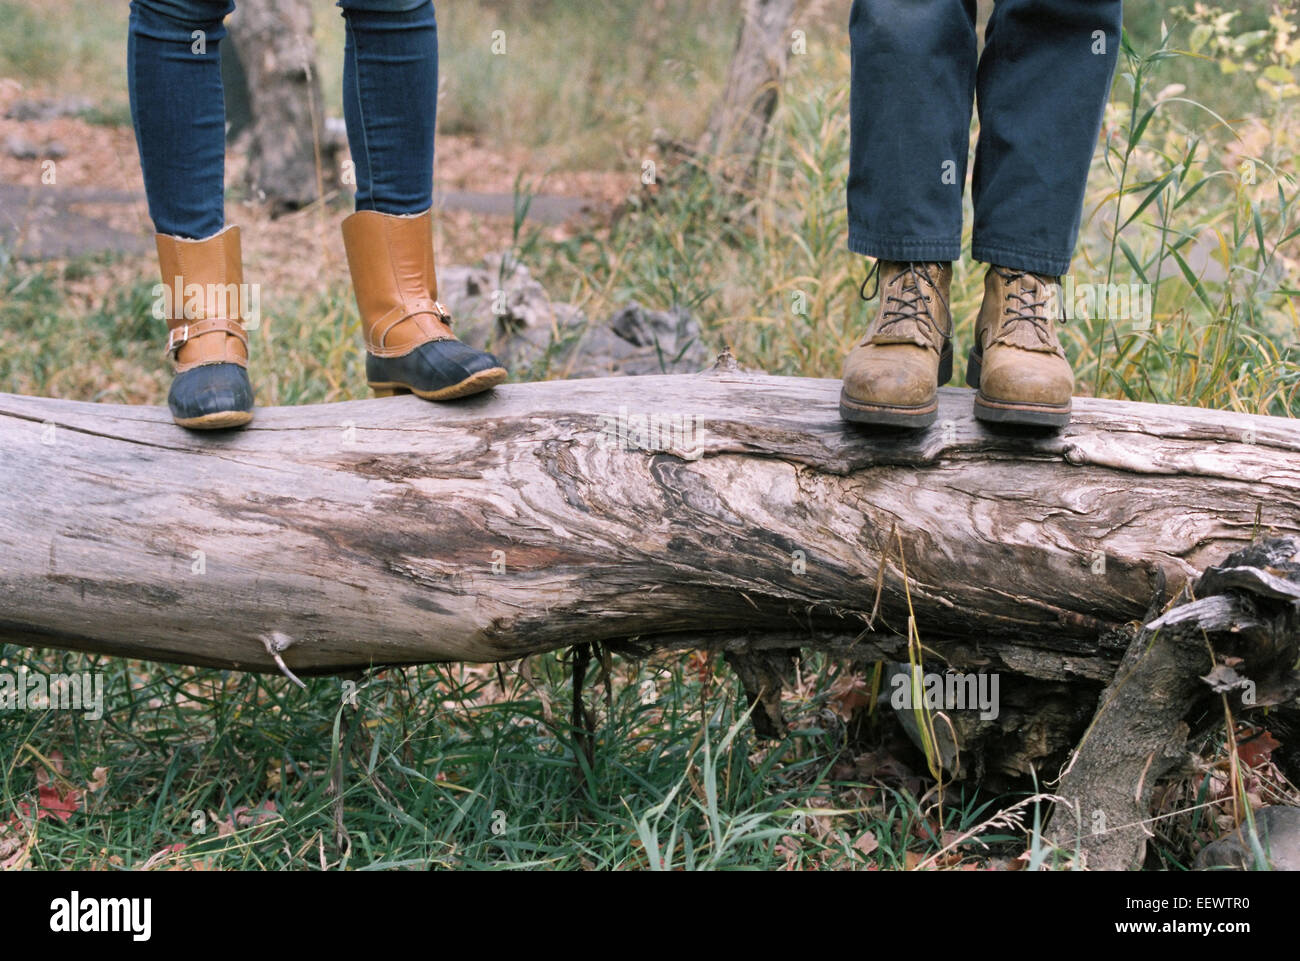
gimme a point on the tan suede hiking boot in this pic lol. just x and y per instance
(892, 377)
(1017, 363)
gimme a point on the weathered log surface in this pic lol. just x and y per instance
(367, 532)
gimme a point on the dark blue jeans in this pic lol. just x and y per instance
(1041, 83)
(390, 95)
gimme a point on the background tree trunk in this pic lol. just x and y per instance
(740, 118)
(290, 159)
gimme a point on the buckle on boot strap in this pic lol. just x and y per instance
(376, 335)
(175, 343)
(178, 337)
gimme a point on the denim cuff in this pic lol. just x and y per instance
(1019, 258)
(903, 249)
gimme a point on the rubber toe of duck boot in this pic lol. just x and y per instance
(438, 370)
(211, 397)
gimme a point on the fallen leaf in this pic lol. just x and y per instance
(1223, 679)
(161, 856)
(248, 817)
(1258, 749)
(788, 849)
(848, 693)
(225, 828)
(60, 804)
(11, 840)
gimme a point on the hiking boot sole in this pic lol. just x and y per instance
(1022, 415)
(891, 415)
(888, 416)
(1012, 413)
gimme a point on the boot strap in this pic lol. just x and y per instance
(178, 337)
(375, 345)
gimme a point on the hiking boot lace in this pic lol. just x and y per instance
(913, 304)
(1023, 308)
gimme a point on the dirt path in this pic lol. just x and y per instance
(44, 223)
(96, 203)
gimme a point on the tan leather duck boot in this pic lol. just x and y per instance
(410, 347)
(892, 377)
(205, 333)
(1017, 362)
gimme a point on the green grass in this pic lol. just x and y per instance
(583, 87)
(590, 94)
(66, 46)
(435, 774)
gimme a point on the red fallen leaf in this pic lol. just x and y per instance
(52, 803)
(1258, 749)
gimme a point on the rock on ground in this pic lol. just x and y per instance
(501, 307)
(1278, 829)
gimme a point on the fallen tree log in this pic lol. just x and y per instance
(723, 510)
(393, 531)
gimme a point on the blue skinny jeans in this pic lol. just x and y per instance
(390, 95)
